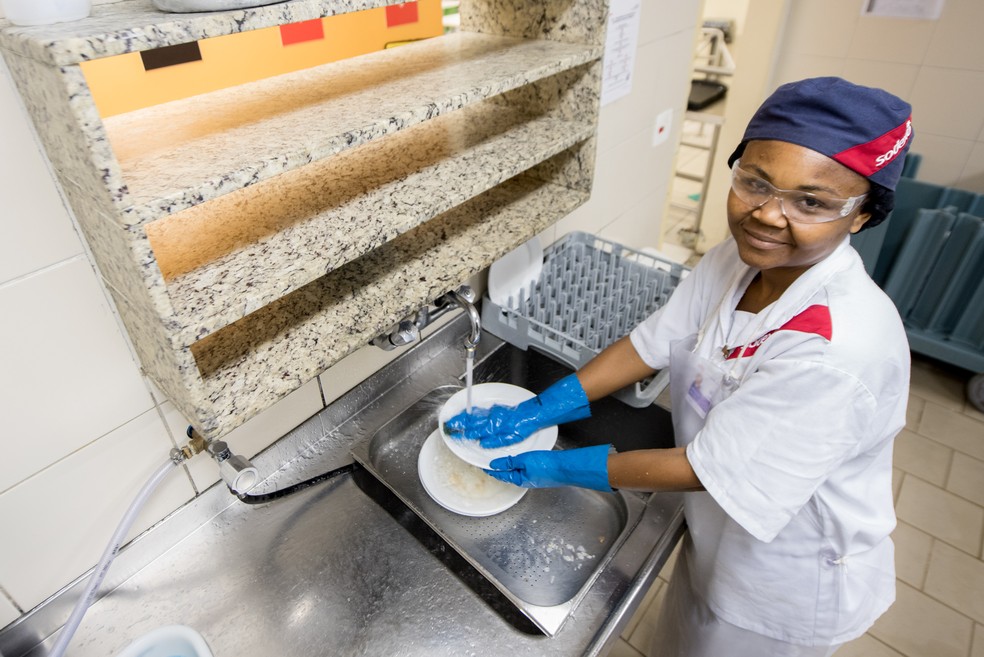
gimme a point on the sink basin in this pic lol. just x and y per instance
(542, 555)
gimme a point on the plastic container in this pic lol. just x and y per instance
(590, 293)
(170, 641)
(45, 12)
(186, 6)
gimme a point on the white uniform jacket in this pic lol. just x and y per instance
(791, 539)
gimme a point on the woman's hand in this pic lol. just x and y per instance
(585, 467)
(498, 426)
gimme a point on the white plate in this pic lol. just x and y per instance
(483, 396)
(460, 487)
(515, 274)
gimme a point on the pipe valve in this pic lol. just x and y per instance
(236, 471)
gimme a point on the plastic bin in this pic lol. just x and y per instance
(590, 293)
(170, 641)
(930, 262)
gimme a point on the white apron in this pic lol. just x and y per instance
(687, 626)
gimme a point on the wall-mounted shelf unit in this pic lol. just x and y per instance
(253, 236)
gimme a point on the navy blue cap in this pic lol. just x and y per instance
(867, 130)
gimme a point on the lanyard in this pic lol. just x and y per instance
(792, 300)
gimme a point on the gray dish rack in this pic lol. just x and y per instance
(590, 293)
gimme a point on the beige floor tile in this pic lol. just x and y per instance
(967, 478)
(914, 411)
(867, 646)
(642, 637)
(623, 649)
(972, 412)
(912, 550)
(937, 383)
(667, 570)
(918, 626)
(925, 458)
(898, 476)
(959, 431)
(956, 579)
(942, 514)
(977, 650)
(643, 607)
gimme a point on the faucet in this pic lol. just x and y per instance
(464, 296)
(407, 330)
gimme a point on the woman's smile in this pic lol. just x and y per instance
(758, 239)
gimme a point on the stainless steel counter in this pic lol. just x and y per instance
(329, 571)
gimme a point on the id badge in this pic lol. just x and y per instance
(696, 397)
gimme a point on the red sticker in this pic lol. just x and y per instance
(311, 30)
(401, 14)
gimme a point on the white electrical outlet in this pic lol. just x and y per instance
(661, 131)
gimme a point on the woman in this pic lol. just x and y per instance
(789, 379)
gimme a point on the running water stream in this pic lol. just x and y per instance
(469, 365)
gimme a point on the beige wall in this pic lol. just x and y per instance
(86, 428)
(938, 66)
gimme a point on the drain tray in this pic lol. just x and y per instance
(542, 554)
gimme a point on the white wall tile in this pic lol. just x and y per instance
(956, 41)
(800, 67)
(660, 19)
(949, 102)
(972, 176)
(626, 173)
(355, 368)
(63, 517)
(66, 374)
(891, 40)
(659, 83)
(895, 78)
(821, 27)
(35, 228)
(943, 158)
(253, 436)
(589, 218)
(8, 612)
(640, 225)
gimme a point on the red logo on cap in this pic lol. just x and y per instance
(871, 156)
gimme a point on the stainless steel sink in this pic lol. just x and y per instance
(542, 554)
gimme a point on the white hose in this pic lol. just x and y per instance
(107, 559)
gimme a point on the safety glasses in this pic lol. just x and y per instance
(802, 207)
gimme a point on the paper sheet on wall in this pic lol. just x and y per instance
(929, 9)
(620, 48)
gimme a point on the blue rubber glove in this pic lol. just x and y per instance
(498, 426)
(585, 467)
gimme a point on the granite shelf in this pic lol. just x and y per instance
(178, 154)
(225, 259)
(308, 330)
